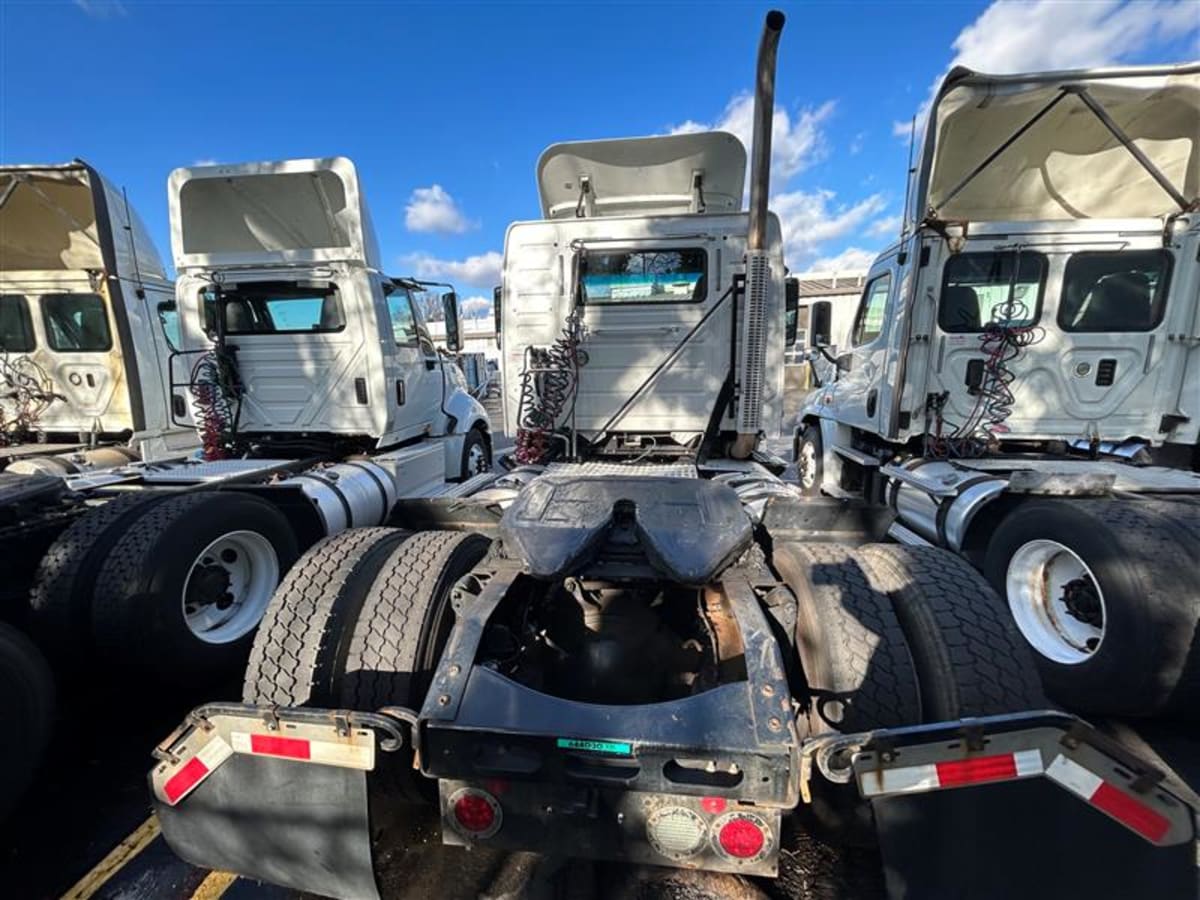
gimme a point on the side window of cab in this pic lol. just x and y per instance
(400, 311)
(868, 321)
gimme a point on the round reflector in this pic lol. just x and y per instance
(676, 832)
(476, 812)
(742, 836)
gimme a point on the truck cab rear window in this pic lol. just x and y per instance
(644, 276)
(16, 325)
(980, 289)
(1124, 290)
(276, 308)
(76, 323)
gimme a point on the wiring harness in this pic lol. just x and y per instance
(1001, 343)
(549, 383)
(26, 392)
(217, 391)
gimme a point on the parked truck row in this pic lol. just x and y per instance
(637, 643)
(172, 449)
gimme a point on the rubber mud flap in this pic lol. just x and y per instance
(294, 824)
(1028, 838)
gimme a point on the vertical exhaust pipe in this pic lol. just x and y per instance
(758, 265)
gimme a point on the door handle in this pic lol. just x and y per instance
(872, 401)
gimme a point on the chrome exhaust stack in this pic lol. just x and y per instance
(758, 266)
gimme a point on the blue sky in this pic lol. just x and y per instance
(446, 107)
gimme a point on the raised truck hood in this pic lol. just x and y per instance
(270, 213)
(60, 218)
(672, 174)
(1067, 163)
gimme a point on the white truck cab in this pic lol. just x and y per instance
(631, 283)
(1022, 383)
(278, 264)
(82, 347)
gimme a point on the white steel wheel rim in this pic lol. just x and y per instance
(229, 585)
(476, 460)
(806, 465)
(1036, 582)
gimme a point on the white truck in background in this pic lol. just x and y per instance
(306, 375)
(83, 354)
(1022, 383)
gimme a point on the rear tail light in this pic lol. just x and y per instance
(476, 813)
(742, 836)
(676, 832)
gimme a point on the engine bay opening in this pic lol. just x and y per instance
(613, 642)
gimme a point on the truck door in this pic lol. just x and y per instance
(858, 393)
(414, 375)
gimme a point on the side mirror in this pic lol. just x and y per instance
(820, 324)
(453, 322)
(497, 293)
(791, 306)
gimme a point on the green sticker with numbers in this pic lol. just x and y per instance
(618, 748)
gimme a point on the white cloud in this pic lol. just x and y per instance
(810, 219)
(102, 9)
(795, 143)
(888, 226)
(481, 271)
(857, 143)
(433, 209)
(1039, 35)
(849, 260)
(206, 162)
(476, 307)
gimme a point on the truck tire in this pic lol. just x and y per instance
(810, 466)
(970, 660)
(185, 587)
(406, 618)
(61, 598)
(476, 455)
(26, 711)
(300, 650)
(849, 640)
(1127, 651)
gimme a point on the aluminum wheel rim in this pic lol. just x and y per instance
(476, 460)
(1037, 581)
(229, 585)
(806, 465)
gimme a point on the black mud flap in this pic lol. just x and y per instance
(1031, 805)
(1027, 839)
(280, 798)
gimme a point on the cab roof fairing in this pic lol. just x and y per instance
(1067, 165)
(268, 213)
(643, 175)
(89, 228)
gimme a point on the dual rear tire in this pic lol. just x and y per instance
(1105, 593)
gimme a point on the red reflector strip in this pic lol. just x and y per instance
(951, 773)
(271, 745)
(185, 779)
(352, 752)
(1121, 805)
(973, 771)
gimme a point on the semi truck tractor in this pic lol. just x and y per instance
(306, 377)
(638, 644)
(1022, 384)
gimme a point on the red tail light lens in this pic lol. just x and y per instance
(476, 813)
(741, 835)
